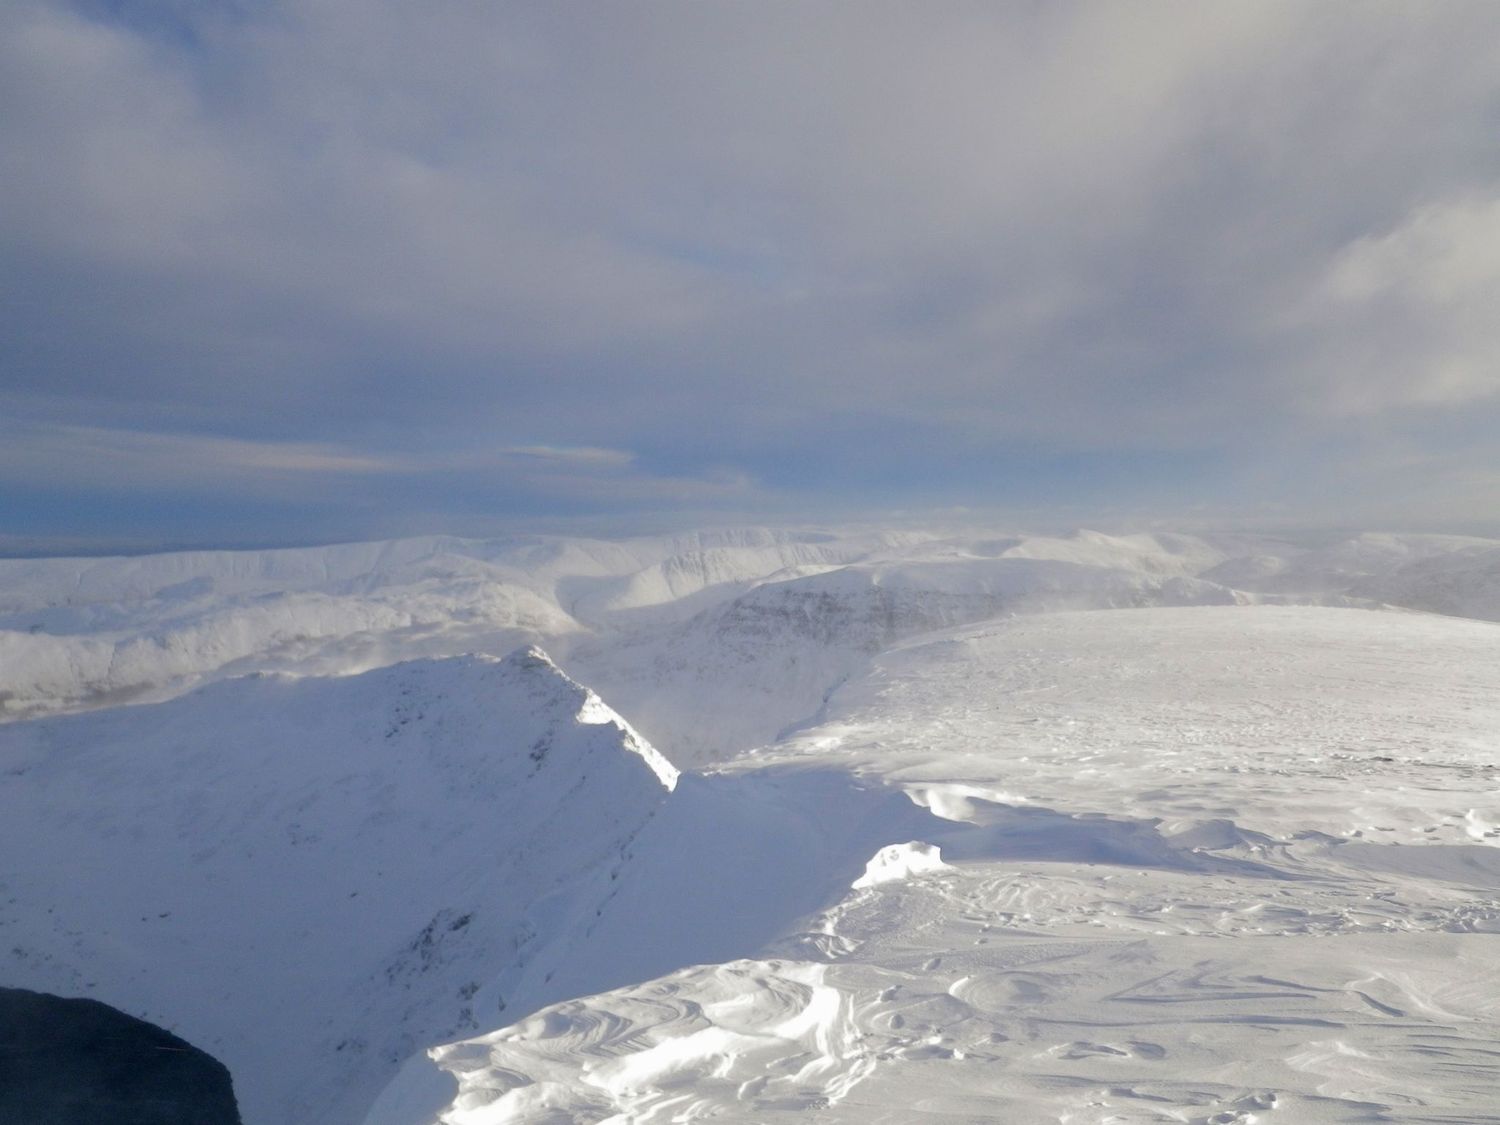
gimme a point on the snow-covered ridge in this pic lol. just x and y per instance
(591, 710)
(312, 877)
(89, 632)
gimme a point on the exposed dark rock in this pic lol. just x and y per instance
(80, 1062)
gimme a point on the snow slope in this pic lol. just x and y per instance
(1213, 865)
(311, 878)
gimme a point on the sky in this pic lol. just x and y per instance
(281, 271)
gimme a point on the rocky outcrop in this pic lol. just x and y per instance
(80, 1062)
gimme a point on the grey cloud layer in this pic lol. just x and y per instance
(714, 234)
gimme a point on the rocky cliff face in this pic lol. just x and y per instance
(80, 1062)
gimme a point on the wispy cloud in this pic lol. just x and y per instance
(567, 455)
(1407, 317)
(114, 459)
(50, 458)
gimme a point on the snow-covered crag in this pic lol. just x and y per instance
(313, 878)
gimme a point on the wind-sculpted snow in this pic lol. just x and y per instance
(771, 1035)
(1209, 865)
(312, 878)
(1104, 1031)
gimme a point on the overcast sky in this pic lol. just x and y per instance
(303, 270)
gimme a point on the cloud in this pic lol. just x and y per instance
(62, 459)
(565, 455)
(1407, 318)
(838, 247)
(124, 460)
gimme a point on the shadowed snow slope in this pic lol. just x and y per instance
(1208, 865)
(311, 878)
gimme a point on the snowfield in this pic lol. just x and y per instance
(1091, 829)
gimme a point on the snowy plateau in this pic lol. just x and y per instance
(837, 825)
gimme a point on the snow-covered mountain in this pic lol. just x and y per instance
(765, 660)
(86, 632)
(312, 878)
(1077, 806)
(90, 632)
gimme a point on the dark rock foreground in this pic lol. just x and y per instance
(80, 1062)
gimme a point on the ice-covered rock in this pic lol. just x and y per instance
(68, 1061)
(901, 861)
